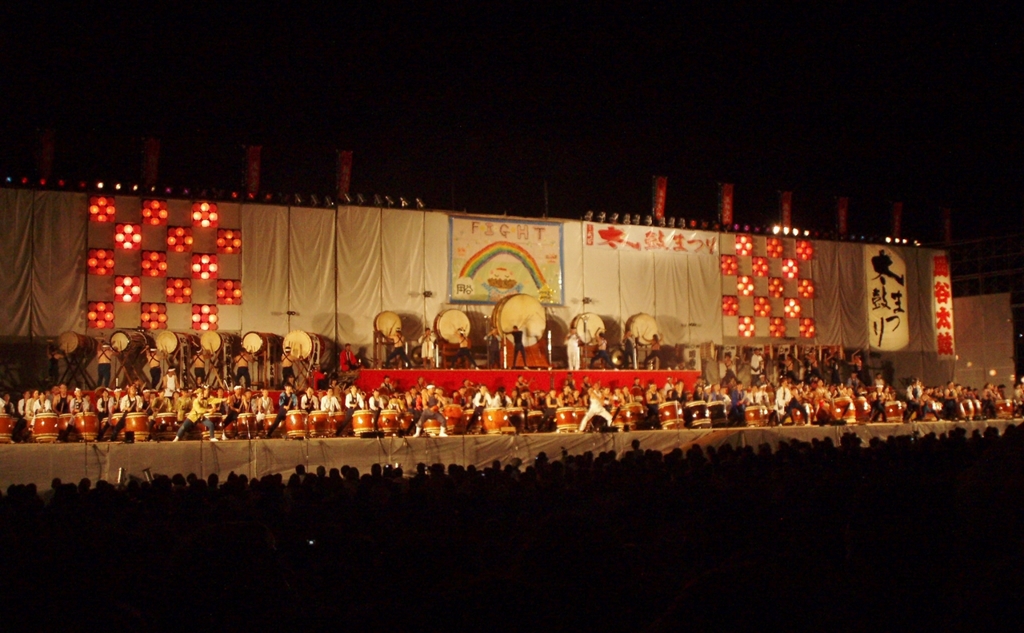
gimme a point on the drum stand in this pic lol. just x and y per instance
(76, 365)
(128, 366)
(218, 366)
(304, 366)
(264, 365)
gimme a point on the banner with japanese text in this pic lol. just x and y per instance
(491, 258)
(649, 238)
(887, 304)
(942, 298)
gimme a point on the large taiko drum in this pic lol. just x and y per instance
(587, 326)
(449, 323)
(6, 428)
(894, 411)
(387, 323)
(389, 423)
(756, 415)
(669, 414)
(800, 414)
(172, 342)
(495, 419)
(643, 327)
(65, 423)
(88, 425)
(73, 343)
(262, 343)
(165, 426)
(318, 424)
(220, 342)
(965, 409)
(247, 426)
(129, 340)
(454, 419)
(362, 422)
(1004, 409)
(843, 409)
(978, 411)
(138, 424)
(566, 420)
(695, 415)
(218, 426)
(862, 410)
(628, 415)
(823, 414)
(516, 418)
(524, 312)
(295, 424)
(534, 420)
(44, 428)
(306, 346)
(716, 411)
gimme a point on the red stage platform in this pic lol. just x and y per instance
(451, 379)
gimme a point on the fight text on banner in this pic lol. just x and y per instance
(649, 238)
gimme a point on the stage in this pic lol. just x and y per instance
(40, 463)
(545, 379)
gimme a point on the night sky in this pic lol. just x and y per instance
(474, 105)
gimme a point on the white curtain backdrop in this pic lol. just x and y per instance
(359, 273)
(16, 261)
(311, 260)
(264, 269)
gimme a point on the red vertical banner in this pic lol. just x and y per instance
(150, 161)
(786, 208)
(947, 225)
(344, 172)
(942, 297)
(658, 193)
(47, 142)
(843, 216)
(253, 161)
(725, 203)
(897, 219)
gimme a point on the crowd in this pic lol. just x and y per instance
(910, 533)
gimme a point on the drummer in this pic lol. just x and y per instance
(242, 360)
(602, 352)
(431, 411)
(234, 404)
(309, 401)
(428, 345)
(104, 355)
(159, 404)
(286, 402)
(131, 402)
(653, 397)
(629, 349)
(153, 357)
(199, 366)
(170, 383)
(348, 361)
(353, 402)
(596, 408)
(465, 351)
(61, 402)
(572, 350)
(262, 406)
(517, 347)
(287, 371)
(398, 350)
(376, 404)
(200, 412)
(480, 401)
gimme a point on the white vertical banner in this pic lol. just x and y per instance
(942, 300)
(885, 274)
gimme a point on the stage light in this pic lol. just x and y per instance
(600, 217)
(154, 263)
(730, 265)
(888, 240)
(791, 308)
(777, 327)
(100, 261)
(389, 201)
(746, 326)
(329, 202)
(347, 199)
(204, 214)
(745, 285)
(762, 306)
(154, 212)
(730, 305)
(99, 185)
(807, 329)
(178, 290)
(127, 289)
(661, 222)
(636, 219)
(204, 266)
(759, 266)
(117, 187)
(627, 219)
(229, 241)
(648, 220)
(100, 315)
(805, 288)
(807, 233)
(785, 230)
(179, 239)
(154, 316)
(360, 200)
(128, 237)
(671, 223)
(744, 245)
(135, 187)
(297, 199)
(378, 201)
(804, 250)
(917, 243)
(102, 209)
(613, 219)
(790, 268)
(776, 287)
(419, 204)
(229, 292)
(204, 317)
(774, 247)
(588, 216)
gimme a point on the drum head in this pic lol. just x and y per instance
(643, 327)
(71, 342)
(300, 342)
(123, 339)
(524, 312)
(387, 322)
(167, 342)
(448, 324)
(587, 326)
(253, 342)
(210, 341)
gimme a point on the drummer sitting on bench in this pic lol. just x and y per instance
(431, 411)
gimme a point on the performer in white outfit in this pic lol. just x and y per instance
(597, 397)
(572, 350)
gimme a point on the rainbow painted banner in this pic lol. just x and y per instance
(492, 258)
